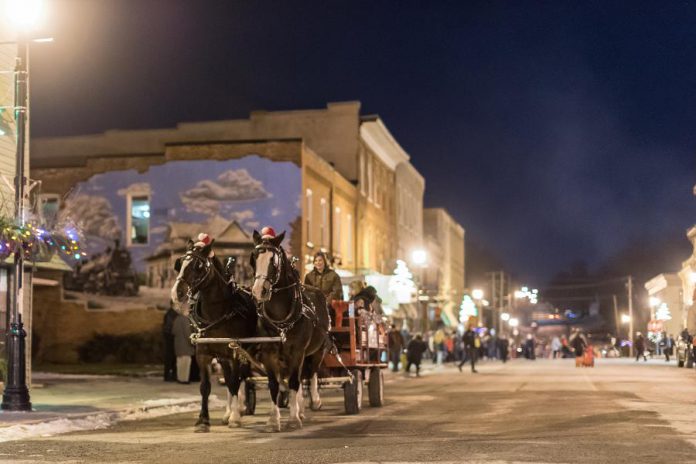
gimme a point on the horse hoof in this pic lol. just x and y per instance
(234, 424)
(202, 428)
(271, 428)
(294, 425)
(315, 406)
(302, 416)
(225, 420)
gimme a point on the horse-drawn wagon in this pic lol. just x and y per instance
(360, 351)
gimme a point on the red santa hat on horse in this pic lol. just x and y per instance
(203, 241)
(268, 234)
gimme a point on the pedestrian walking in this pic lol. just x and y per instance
(578, 343)
(639, 346)
(168, 338)
(530, 348)
(503, 347)
(668, 346)
(414, 354)
(556, 347)
(471, 346)
(396, 346)
(439, 344)
(182, 347)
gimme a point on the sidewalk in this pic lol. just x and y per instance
(64, 403)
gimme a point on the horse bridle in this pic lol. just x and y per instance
(194, 287)
(293, 315)
(200, 324)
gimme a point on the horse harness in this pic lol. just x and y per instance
(199, 323)
(305, 308)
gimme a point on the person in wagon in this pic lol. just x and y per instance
(325, 279)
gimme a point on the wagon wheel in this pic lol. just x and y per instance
(249, 398)
(375, 387)
(283, 399)
(352, 393)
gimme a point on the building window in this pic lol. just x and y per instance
(363, 178)
(324, 232)
(369, 180)
(50, 204)
(308, 216)
(337, 246)
(349, 238)
(138, 219)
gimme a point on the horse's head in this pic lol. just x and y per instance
(267, 260)
(194, 271)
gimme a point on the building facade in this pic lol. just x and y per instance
(665, 290)
(447, 237)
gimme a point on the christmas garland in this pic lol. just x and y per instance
(38, 244)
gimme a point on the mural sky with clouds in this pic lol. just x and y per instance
(253, 191)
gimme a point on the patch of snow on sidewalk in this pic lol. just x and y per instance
(149, 410)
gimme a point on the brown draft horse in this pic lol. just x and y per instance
(221, 312)
(297, 314)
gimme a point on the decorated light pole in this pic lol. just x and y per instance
(16, 395)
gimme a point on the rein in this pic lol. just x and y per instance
(296, 311)
(197, 320)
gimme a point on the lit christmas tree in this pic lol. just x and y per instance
(467, 309)
(401, 284)
(662, 313)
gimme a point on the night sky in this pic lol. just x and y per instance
(552, 131)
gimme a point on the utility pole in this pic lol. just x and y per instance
(616, 318)
(630, 312)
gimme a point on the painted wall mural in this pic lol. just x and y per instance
(135, 224)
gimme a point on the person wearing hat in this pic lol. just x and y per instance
(325, 279)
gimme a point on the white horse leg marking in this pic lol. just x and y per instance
(236, 418)
(242, 398)
(274, 419)
(294, 420)
(228, 409)
(300, 403)
(314, 392)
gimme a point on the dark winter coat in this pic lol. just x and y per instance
(328, 282)
(168, 322)
(416, 348)
(640, 344)
(578, 344)
(396, 341)
(469, 339)
(182, 334)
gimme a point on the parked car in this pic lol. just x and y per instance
(685, 352)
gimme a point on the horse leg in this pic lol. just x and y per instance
(203, 423)
(294, 384)
(232, 380)
(273, 424)
(315, 362)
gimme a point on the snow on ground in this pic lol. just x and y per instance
(149, 409)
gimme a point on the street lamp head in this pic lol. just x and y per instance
(625, 318)
(505, 316)
(24, 14)
(419, 257)
(654, 301)
(477, 293)
(514, 322)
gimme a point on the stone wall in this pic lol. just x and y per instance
(60, 326)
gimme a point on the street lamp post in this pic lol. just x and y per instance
(24, 14)
(16, 394)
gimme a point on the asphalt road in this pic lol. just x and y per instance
(525, 411)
